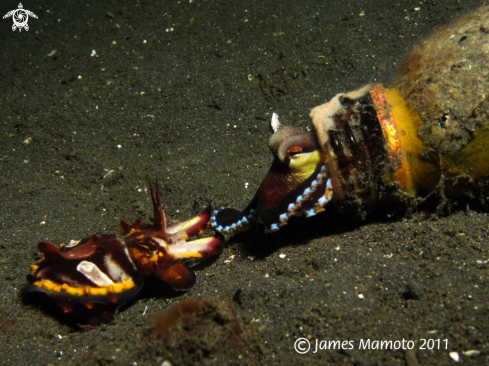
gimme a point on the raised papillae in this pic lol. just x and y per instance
(426, 135)
(90, 278)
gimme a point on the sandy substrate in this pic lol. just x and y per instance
(98, 97)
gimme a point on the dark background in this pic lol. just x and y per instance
(191, 106)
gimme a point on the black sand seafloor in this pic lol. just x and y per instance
(98, 97)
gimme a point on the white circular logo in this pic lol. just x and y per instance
(302, 345)
(20, 17)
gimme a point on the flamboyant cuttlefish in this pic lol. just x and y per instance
(373, 146)
(90, 278)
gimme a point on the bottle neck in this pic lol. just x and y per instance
(372, 149)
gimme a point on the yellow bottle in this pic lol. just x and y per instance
(434, 119)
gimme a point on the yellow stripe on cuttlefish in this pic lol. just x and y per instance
(64, 288)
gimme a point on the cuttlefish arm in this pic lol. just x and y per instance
(157, 248)
(297, 183)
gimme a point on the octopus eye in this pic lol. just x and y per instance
(294, 150)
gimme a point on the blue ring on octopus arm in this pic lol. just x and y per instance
(307, 198)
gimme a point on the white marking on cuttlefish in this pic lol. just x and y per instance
(115, 271)
(72, 243)
(94, 274)
(163, 244)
